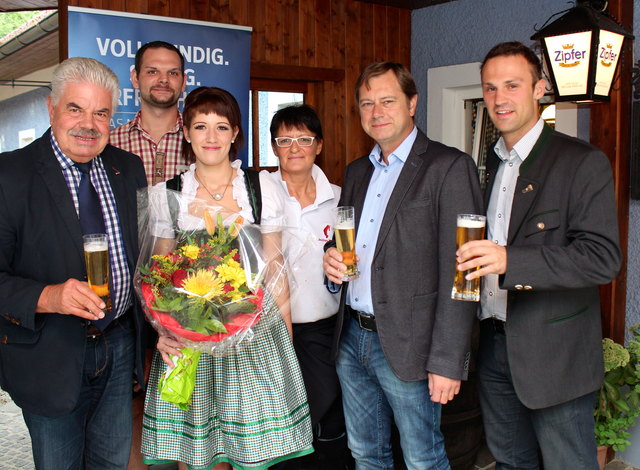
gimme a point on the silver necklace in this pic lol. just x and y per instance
(215, 196)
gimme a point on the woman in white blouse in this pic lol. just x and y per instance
(308, 204)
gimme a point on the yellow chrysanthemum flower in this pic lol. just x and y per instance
(203, 283)
(232, 273)
(235, 295)
(191, 251)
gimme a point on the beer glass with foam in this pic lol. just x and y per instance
(345, 233)
(469, 227)
(96, 258)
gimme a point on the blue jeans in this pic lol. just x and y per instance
(564, 432)
(96, 434)
(373, 397)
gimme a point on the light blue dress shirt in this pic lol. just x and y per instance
(382, 183)
(493, 299)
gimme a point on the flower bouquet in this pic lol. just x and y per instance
(200, 279)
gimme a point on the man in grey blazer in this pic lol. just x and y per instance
(402, 344)
(552, 238)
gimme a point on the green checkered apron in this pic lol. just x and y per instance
(249, 409)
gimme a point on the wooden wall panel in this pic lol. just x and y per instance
(307, 38)
(382, 34)
(614, 140)
(238, 13)
(291, 34)
(274, 31)
(368, 36)
(323, 33)
(292, 38)
(178, 9)
(402, 46)
(137, 6)
(200, 9)
(156, 7)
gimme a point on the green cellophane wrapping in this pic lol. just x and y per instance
(176, 385)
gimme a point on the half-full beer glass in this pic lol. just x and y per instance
(96, 257)
(470, 227)
(345, 232)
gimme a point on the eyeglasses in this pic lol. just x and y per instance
(304, 141)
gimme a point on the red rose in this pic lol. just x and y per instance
(227, 288)
(236, 257)
(178, 277)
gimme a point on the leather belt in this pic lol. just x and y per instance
(365, 321)
(93, 331)
(494, 324)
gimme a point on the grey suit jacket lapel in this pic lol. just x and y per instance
(51, 173)
(532, 172)
(405, 180)
(524, 195)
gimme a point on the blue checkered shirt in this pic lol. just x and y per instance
(119, 275)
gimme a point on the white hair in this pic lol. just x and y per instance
(84, 70)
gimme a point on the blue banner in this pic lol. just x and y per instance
(215, 54)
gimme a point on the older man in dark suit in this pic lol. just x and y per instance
(552, 238)
(65, 358)
(402, 343)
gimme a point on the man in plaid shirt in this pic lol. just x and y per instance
(155, 133)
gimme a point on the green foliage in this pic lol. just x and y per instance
(12, 20)
(618, 403)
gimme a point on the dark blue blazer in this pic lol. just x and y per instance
(42, 354)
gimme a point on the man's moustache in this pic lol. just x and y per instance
(85, 133)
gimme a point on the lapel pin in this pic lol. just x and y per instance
(527, 189)
(115, 170)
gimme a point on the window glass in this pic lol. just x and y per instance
(268, 103)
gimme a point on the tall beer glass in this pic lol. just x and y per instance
(345, 232)
(96, 257)
(470, 227)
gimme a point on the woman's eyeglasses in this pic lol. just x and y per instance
(304, 141)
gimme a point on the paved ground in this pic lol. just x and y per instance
(15, 445)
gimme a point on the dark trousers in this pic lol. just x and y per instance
(97, 433)
(312, 343)
(564, 432)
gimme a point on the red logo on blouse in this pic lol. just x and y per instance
(326, 231)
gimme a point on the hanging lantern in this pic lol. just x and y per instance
(582, 49)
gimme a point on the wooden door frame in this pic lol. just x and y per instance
(611, 133)
(263, 84)
(313, 81)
